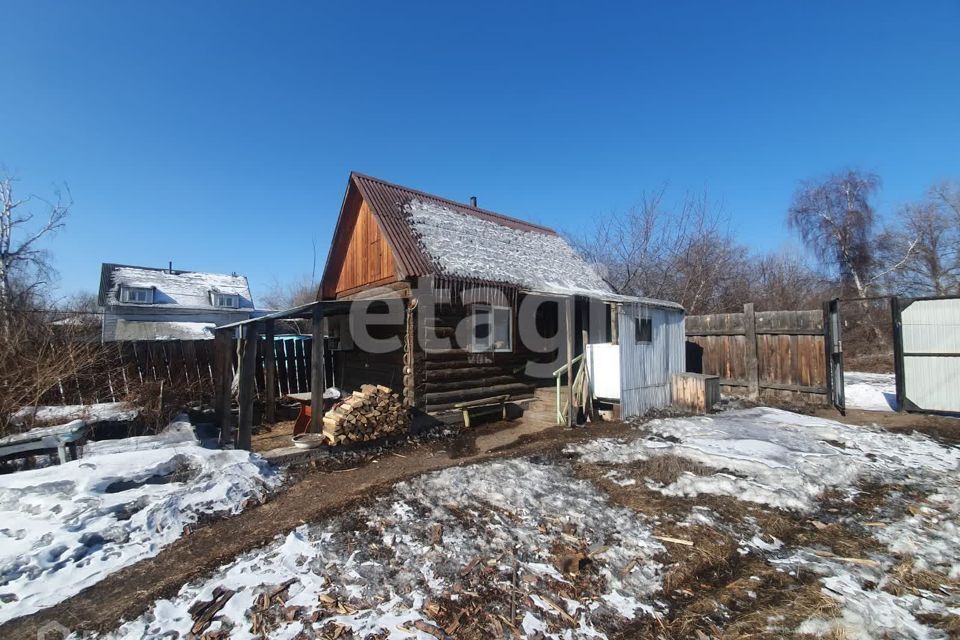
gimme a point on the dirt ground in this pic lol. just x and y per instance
(946, 429)
(712, 589)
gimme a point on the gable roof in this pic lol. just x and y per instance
(184, 289)
(431, 235)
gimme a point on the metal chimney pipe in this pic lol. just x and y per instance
(473, 201)
(170, 266)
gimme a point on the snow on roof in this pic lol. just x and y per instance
(138, 330)
(190, 289)
(472, 247)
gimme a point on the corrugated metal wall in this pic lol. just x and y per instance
(931, 354)
(646, 368)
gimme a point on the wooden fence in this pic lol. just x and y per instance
(119, 368)
(776, 355)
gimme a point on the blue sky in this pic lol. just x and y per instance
(220, 135)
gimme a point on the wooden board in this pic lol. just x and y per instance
(769, 354)
(360, 255)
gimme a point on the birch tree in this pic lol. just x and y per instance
(932, 227)
(836, 221)
(24, 222)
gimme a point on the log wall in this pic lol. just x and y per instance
(439, 379)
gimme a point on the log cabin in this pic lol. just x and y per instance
(486, 299)
(446, 303)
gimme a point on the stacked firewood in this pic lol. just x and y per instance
(368, 414)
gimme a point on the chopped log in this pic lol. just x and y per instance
(370, 413)
(430, 629)
(204, 612)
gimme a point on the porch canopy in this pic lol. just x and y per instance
(248, 334)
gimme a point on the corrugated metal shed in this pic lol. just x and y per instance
(646, 368)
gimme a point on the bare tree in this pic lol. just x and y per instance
(24, 265)
(783, 280)
(946, 196)
(290, 294)
(680, 252)
(928, 234)
(836, 221)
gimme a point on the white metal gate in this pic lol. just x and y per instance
(927, 353)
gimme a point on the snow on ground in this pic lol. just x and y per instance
(870, 391)
(930, 534)
(440, 536)
(64, 528)
(776, 457)
(786, 460)
(450, 537)
(867, 611)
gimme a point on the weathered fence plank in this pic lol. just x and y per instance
(191, 367)
(763, 354)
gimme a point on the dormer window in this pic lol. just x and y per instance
(136, 295)
(226, 300)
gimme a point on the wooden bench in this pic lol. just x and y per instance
(63, 438)
(484, 406)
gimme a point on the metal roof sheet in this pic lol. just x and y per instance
(387, 200)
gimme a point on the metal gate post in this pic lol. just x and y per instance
(895, 311)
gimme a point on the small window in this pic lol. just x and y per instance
(643, 328)
(492, 328)
(137, 295)
(226, 300)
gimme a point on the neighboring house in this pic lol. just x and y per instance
(147, 303)
(395, 242)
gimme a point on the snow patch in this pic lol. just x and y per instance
(383, 559)
(776, 457)
(89, 413)
(870, 391)
(66, 527)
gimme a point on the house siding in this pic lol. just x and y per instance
(361, 256)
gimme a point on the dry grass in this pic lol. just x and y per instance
(40, 361)
(710, 557)
(714, 591)
(906, 579)
(779, 605)
(666, 469)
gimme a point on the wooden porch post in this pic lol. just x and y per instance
(317, 381)
(223, 382)
(248, 368)
(270, 373)
(571, 410)
(614, 323)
